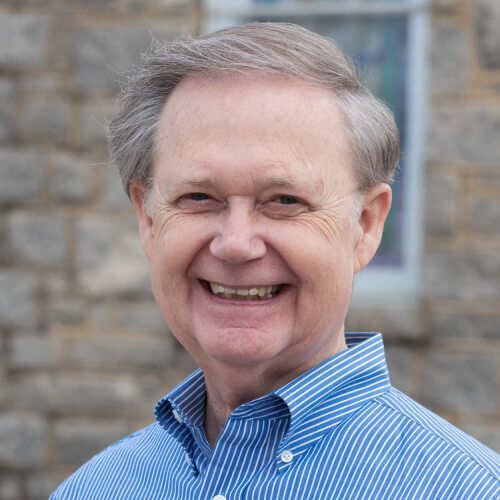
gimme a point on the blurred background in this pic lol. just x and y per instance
(84, 352)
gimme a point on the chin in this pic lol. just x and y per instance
(240, 350)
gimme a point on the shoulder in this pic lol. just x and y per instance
(437, 442)
(119, 464)
(433, 426)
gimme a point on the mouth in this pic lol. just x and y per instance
(254, 293)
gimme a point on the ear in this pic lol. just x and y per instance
(376, 204)
(137, 195)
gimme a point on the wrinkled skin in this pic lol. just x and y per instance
(253, 185)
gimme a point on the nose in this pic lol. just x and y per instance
(236, 240)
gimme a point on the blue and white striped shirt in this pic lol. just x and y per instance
(339, 431)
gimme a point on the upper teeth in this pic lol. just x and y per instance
(263, 291)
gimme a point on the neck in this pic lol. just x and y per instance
(230, 386)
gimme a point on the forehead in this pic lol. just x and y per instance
(280, 127)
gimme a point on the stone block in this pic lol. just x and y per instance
(101, 316)
(32, 351)
(84, 6)
(393, 320)
(163, 6)
(143, 316)
(121, 352)
(44, 119)
(486, 180)
(441, 203)
(453, 276)
(485, 216)
(23, 39)
(86, 393)
(74, 178)
(449, 64)
(488, 21)
(7, 96)
(66, 311)
(489, 434)
(461, 325)
(47, 84)
(37, 238)
(114, 196)
(21, 171)
(402, 368)
(104, 53)
(24, 440)
(110, 258)
(445, 4)
(77, 440)
(10, 488)
(466, 134)
(95, 119)
(19, 305)
(4, 388)
(40, 486)
(460, 381)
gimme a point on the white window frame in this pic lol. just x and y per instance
(376, 284)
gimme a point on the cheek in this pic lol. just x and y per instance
(177, 239)
(325, 283)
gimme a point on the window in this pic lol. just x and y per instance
(387, 39)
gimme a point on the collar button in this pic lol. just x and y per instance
(219, 497)
(286, 456)
(176, 415)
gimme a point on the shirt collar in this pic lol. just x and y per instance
(332, 391)
(327, 394)
(353, 369)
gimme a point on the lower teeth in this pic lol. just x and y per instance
(246, 297)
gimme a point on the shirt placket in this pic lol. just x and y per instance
(234, 460)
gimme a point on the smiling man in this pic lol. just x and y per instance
(259, 166)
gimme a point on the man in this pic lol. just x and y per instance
(258, 166)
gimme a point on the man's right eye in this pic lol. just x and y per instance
(197, 196)
(198, 202)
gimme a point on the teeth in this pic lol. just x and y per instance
(267, 292)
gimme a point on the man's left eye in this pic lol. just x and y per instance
(286, 200)
(197, 196)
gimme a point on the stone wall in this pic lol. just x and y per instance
(83, 350)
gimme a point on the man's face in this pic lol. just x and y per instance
(253, 200)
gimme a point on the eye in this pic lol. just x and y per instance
(284, 205)
(198, 202)
(286, 200)
(196, 196)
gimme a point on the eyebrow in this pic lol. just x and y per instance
(261, 183)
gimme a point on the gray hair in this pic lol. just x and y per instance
(273, 49)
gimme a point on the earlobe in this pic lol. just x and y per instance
(144, 220)
(376, 205)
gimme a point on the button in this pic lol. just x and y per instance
(187, 458)
(286, 456)
(219, 497)
(176, 415)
